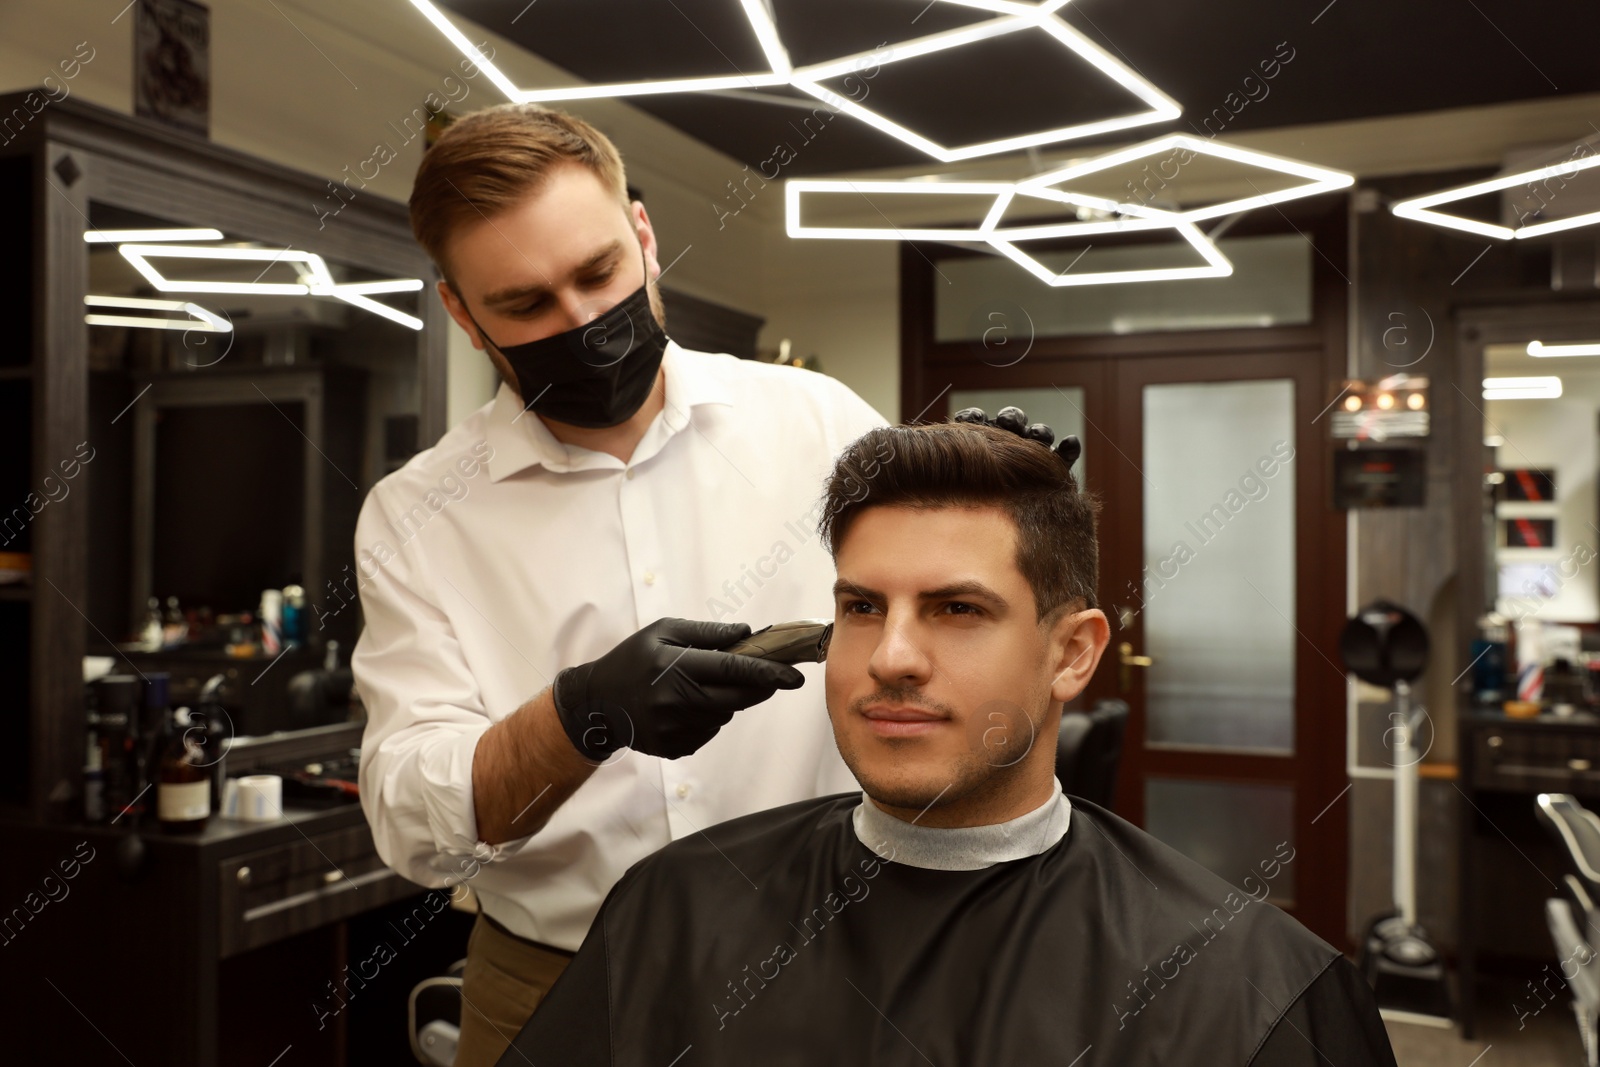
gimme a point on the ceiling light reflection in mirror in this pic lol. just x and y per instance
(314, 279)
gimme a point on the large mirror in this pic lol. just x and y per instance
(251, 394)
(1541, 421)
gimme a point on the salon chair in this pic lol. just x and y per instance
(1574, 923)
(1089, 750)
(433, 1017)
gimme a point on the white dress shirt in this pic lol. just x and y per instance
(500, 556)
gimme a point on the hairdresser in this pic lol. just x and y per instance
(541, 713)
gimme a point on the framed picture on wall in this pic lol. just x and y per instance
(1526, 531)
(1526, 485)
(172, 64)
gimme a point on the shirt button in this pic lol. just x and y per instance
(630, 474)
(649, 577)
(683, 791)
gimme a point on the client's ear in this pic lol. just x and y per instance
(1076, 643)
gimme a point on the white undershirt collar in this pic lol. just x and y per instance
(962, 848)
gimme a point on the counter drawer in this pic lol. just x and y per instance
(1540, 760)
(273, 893)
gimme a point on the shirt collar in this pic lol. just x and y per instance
(963, 848)
(519, 439)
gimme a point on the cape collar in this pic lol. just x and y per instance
(962, 848)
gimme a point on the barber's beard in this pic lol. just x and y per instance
(657, 307)
(996, 755)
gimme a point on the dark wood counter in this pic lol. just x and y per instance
(226, 946)
(1509, 865)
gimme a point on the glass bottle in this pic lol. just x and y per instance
(174, 629)
(151, 638)
(183, 782)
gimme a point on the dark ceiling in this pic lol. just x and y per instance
(1342, 60)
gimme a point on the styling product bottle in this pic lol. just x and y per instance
(152, 731)
(294, 615)
(94, 777)
(271, 615)
(218, 735)
(119, 729)
(183, 782)
(151, 638)
(174, 629)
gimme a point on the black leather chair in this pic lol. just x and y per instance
(1572, 918)
(1089, 750)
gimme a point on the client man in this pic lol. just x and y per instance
(962, 911)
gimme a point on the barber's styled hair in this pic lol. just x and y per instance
(491, 160)
(954, 464)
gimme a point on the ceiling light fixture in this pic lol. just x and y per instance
(1011, 18)
(1216, 265)
(1134, 218)
(312, 270)
(1319, 179)
(186, 233)
(1115, 216)
(199, 318)
(798, 187)
(1419, 208)
(138, 255)
(1521, 388)
(1536, 348)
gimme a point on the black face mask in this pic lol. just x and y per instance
(595, 375)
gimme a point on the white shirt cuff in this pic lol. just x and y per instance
(447, 798)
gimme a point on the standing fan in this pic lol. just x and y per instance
(1387, 646)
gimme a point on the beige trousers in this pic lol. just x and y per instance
(503, 983)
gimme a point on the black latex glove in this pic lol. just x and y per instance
(664, 691)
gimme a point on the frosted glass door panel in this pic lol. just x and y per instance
(1218, 588)
(1060, 408)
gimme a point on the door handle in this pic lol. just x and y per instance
(1127, 661)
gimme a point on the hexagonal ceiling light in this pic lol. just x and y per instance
(1118, 217)
(1011, 17)
(1134, 218)
(311, 268)
(1420, 208)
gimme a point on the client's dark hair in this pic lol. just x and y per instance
(953, 464)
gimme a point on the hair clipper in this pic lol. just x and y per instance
(803, 641)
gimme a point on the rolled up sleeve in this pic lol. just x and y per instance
(425, 714)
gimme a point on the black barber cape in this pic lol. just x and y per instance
(780, 938)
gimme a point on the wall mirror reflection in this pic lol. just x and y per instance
(253, 394)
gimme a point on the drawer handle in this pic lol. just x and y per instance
(1578, 764)
(360, 881)
(332, 877)
(1495, 741)
(243, 874)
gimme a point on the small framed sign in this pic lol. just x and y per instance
(172, 64)
(1379, 478)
